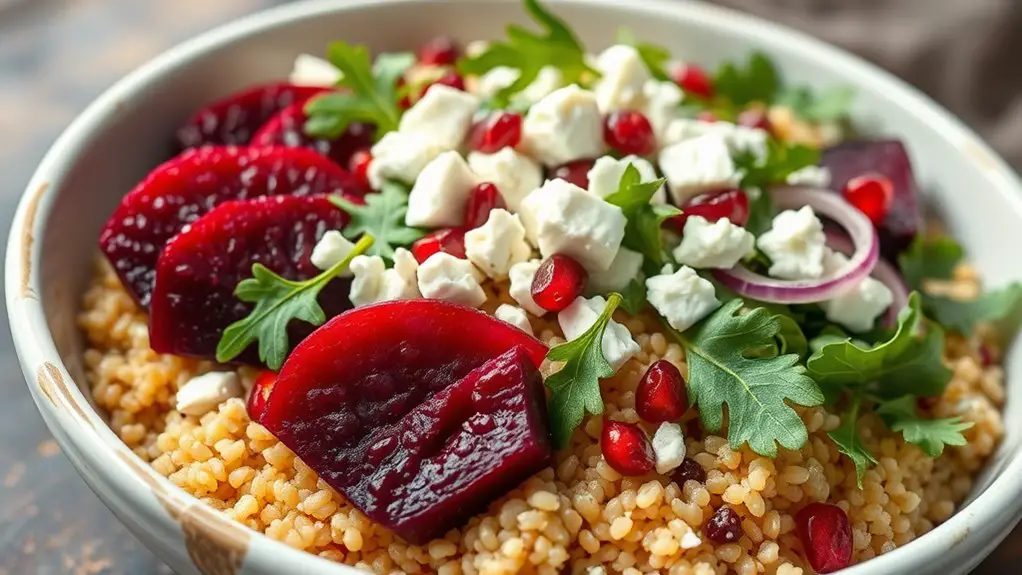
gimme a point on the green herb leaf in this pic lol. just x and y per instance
(633, 297)
(642, 232)
(372, 95)
(756, 81)
(930, 435)
(277, 302)
(761, 211)
(654, 57)
(529, 52)
(575, 389)
(382, 217)
(790, 337)
(848, 441)
(781, 161)
(1003, 306)
(827, 106)
(929, 258)
(755, 390)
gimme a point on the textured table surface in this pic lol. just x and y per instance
(56, 55)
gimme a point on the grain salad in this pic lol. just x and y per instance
(498, 310)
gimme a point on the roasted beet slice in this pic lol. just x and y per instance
(234, 119)
(287, 128)
(390, 404)
(888, 158)
(183, 189)
(193, 300)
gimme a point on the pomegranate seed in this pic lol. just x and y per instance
(693, 80)
(826, 536)
(927, 403)
(707, 116)
(495, 132)
(689, 470)
(754, 118)
(576, 172)
(872, 194)
(359, 166)
(483, 199)
(406, 100)
(629, 132)
(440, 51)
(626, 448)
(731, 203)
(724, 526)
(449, 240)
(986, 356)
(451, 78)
(661, 395)
(558, 281)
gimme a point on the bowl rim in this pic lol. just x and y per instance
(83, 433)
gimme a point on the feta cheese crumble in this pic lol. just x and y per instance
(690, 540)
(617, 345)
(442, 116)
(309, 70)
(521, 276)
(605, 175)
(439, 195)
(446, 277)
(515, 316)
(682, 298)
(330, 250)
(564, 126)
(697, 165)
(375, 283)
(795, 245)
(815, 176)
(858, 307)
(661, 106)
(204, 393)
(623, 75)
(720, 244)
(498, 244)
(401, 157)
(562, 218)
(738, 138)
(514, 174)
(627, 266)
(669, 447)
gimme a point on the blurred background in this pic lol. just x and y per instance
(57, 55)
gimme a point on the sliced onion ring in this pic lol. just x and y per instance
(863, 235)
(884, 272)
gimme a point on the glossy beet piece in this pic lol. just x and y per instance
(660, 395)
(626, 448)
(287, 128)
(447, 240)
(401, 407)
(483, 199)
(183, 189)
(234, 119)
(826, 536)
(732, 204)
(558, 281)
(888, 158)
(193, 301)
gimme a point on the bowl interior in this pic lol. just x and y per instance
(130, 128)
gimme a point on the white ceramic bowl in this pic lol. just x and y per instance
(124, 133)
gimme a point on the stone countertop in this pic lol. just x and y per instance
(57, 55)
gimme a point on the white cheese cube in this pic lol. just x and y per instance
(622, 77)
(446, 277)
(405, 265)
(669, 447)
(374, 283)
(439, 195)
(442, 116)
(514, 174)
(738, 138)
(562, 218)
(521, 276)
(720, 244)
(309, 70)
(547, 81)
(515, 316)
(858, 307)
(617, 345)
(564, 126)
(795, 245)
(605, 175)
(682, 298)
(498, 244)
(401, 157)
(625, 268)
(813, 176)
(495, 80)
(205, 393)
(330, 250)
(662, 102)
(697, 165)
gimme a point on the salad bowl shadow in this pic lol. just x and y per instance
(120, 137)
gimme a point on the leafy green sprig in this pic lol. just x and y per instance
(382, 217)
(644, 219)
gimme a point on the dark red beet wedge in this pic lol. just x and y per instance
(193, 300)
(287, 128)
(233, 120)
(401, 407)
(183, 189)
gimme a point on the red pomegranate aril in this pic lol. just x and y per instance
(689, 470)
(754, 118)
(440, 51)
(451, 78)
(448, 240)
(495, 132)
(694, 80)
(484, 198)
(629, 132)
(826, 536)
(872, 194)
(626, 448)
(707, 116)
(358, 165)
(558, 281)
(724, 526)
(732, 204)
(661, 394)
(406, 100)
(576, 172)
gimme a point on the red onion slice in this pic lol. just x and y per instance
(863, 235)
(883, 272)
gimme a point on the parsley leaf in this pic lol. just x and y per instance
(826, 106)
(848, 441)
(633, 297)
(930, 435)
(755, 390)
(575, 388)
(654, 57)
(382, 217)
(756, 81)
(277, 302)
(929, 258)
(529, 52)
(644, 220)
(1003, 306)
(372, 96)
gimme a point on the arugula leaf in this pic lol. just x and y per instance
(929, 258)
(790, 337)
(1003, 306)
(372, 95)
(755, 390)
(575, 388)
(848, 441)
(654, 57)
(382, 217)
(644, 220)
(781, 160)
(529, 52)
(930, 435)
(633, 297)
(278, 301)
(827, 106)
(756, 81)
